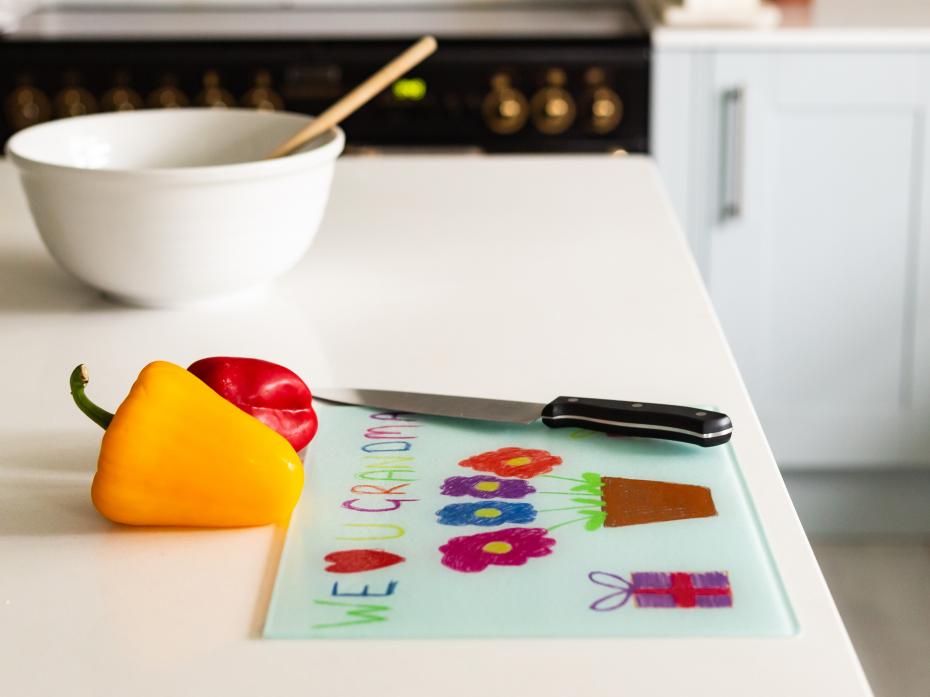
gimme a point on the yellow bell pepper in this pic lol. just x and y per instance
(177, 453)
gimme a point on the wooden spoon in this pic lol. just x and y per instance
(358, 97)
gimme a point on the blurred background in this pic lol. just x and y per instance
(792, 139)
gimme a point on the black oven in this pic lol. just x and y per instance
(566, 86)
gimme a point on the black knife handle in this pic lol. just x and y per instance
(665, 421)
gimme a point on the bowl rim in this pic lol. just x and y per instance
(314, 153)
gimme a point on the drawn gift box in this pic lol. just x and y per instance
(678, 589)
(636, 501)
(709, 589)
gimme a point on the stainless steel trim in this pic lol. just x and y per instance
(650, 427)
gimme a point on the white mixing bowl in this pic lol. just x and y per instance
(164, 208)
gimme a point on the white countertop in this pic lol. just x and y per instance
(818, 25)
(520, 277)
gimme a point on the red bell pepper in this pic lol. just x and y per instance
(271, 393)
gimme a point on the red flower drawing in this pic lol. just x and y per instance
(513, 462)
(507, 547)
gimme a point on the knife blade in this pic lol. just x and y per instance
(663, 421)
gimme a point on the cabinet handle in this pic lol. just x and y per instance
(732, 135)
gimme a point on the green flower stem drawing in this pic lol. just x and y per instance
(567, 479)
(593, 515)
(569, 508)
(567, 522)
(593, 519)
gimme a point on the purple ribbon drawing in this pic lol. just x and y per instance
(623, 591)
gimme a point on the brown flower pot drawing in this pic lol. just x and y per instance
(637, 501)
(612, 502)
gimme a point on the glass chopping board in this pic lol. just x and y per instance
(429, 527)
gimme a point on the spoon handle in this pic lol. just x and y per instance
(359, 96)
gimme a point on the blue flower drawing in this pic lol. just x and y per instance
(486, 513)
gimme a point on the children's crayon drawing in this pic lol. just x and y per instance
(595, 501)
(507, 547)
(413, 526)
(663, 590)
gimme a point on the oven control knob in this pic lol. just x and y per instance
(168, 96)
(603, 106)
(27, 106)
(214, 95)
(122, 97)
(605, 110)
(504, 108)
(261, 96)
(74, 101)
(552, 107)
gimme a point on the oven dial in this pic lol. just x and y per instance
(74, 101)
(214, 95)
(168, 96)
(261, 96)
(603, 106)
(552, 107)
(27, 106)
(504, 108)
(122, 97)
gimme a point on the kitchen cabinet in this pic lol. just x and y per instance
(801, 176)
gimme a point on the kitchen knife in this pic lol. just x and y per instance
(686, 424)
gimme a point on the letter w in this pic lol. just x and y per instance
(363, 614)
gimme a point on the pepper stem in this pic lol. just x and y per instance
(99, 416)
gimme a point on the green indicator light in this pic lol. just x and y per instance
(409, 89)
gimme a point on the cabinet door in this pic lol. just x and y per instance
(819, 195)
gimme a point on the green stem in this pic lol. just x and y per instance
(99, 416)
(567, 522)
(569, 508)
(567, 479)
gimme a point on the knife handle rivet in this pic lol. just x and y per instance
(636, 404)
(700, 413)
